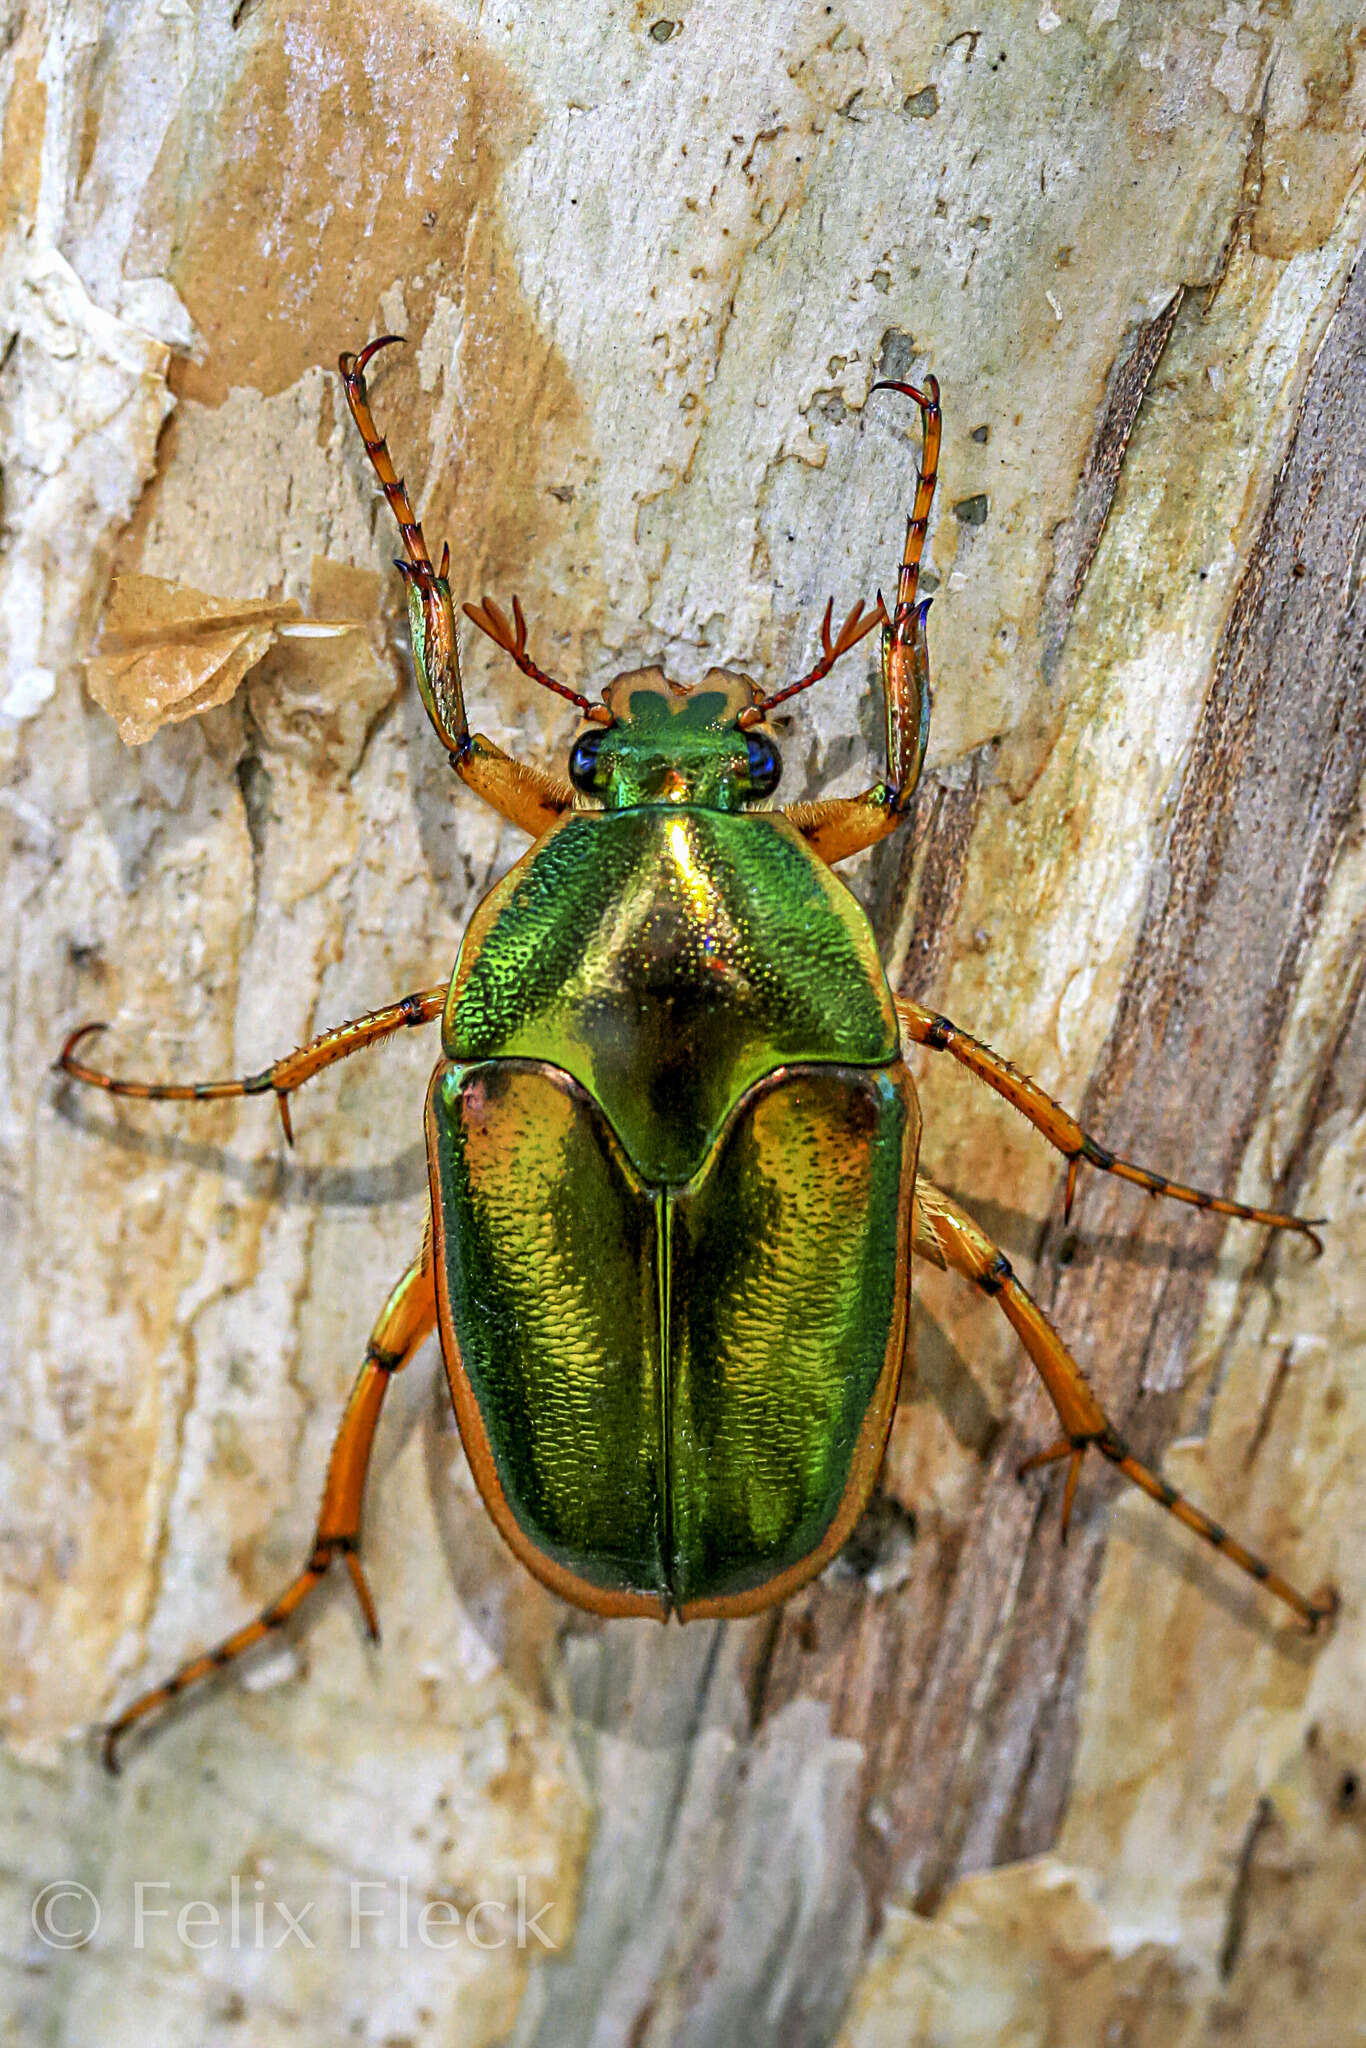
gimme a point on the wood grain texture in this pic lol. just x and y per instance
(983, 1648)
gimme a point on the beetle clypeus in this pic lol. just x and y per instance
(672, 1146)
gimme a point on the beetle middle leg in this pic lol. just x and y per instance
(947, 1236)
(283, 1077)
(923, 1027)
(406, 1319)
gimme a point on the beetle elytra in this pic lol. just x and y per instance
(673, 1145)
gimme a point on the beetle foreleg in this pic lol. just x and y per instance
(923, 1027)
(405, 1320)
(284, 1077)
(947, 1236)
(838, 827)
(526, 796)
(843, 826)
(353, 370)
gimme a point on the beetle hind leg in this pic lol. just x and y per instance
(923, 1027)
(946, 1236)
(405, 1320)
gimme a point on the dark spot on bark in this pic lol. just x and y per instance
(896, 355)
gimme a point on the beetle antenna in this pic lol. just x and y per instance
(855, 628)
(510, 635)
(353, 370)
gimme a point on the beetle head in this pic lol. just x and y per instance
(667, 744)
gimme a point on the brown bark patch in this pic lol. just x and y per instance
(355, 149)
(361, 149)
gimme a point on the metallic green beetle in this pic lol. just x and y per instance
(672, 1146)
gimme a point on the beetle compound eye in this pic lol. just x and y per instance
(765, 764)
(583, 760)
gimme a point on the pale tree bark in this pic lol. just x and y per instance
(972, 1786)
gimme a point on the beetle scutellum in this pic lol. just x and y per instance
(672, 1146)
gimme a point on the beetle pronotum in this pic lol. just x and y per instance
(672, 1146)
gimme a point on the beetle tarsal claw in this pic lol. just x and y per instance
(282, 1104)
(62, 1063)
(1326, 1602)
(361, 363)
